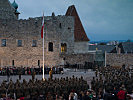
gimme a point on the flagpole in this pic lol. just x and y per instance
(43, 48)
(43, 54)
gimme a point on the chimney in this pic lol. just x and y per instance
(118, 50)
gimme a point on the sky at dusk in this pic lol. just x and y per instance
(102, 19)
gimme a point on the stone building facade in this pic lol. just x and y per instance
(114, 59)
(21, 42)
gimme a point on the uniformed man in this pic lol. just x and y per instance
(51, 74)
(33, 75)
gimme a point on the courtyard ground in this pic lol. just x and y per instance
(87, 75)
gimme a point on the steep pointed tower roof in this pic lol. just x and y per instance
(79, 32)
(15, 5)
(7, 11)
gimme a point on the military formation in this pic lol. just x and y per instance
(28, 70)
(109, 81)
(50, 89)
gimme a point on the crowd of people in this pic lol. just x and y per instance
(109, 83)
(28, 70)
(52, 89)
(113, 83)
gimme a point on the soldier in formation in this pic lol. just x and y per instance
(51, 73)
(51, 89)
(111, 81)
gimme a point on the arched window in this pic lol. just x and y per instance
(63, 47)
(50, 46)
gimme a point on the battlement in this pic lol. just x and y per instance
(32, 26)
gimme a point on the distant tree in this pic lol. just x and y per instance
(128, 40)
(102, 43)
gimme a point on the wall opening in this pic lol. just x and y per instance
(19, 43)
(50, 46)
(63, 47)
(12, 62)
(38, 62)
(60, 25)
(34, 43)
(3, 42)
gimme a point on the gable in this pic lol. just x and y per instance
(79, 32)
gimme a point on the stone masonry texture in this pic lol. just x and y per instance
(29, 30)
(114, 59)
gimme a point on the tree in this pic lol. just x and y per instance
(102, 43)
(128, 40)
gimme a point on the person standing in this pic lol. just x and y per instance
(121, 94)
(33, 74)
(8, 74)
(51, 74)
(131, 95)
(20, 73)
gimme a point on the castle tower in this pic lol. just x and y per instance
(79, 32)
(80, 37)
(7, 11)
(15, 5)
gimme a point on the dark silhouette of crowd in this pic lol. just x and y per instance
(28, 70)
(113, 83)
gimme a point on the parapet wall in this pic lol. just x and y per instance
(114, 59)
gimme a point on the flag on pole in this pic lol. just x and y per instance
(42, 26)
(42, 36)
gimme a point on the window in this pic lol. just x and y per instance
(38, 62)
(63, 47)
(69, 28)
(34, 43)
(12, 62)
(19, 43)
(60, 25)
(3, 42)
(50, 46)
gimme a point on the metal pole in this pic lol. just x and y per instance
(43, 54)
(43, 48)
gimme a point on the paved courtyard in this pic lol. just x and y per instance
(87, 75)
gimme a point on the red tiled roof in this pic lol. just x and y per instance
(79, 32)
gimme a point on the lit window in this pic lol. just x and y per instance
(50, 45)
(34, 43)
(63, 47)
(19, 43)
(3, 42)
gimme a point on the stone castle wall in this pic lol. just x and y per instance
(59, 29)
(114, 59)
(6, 10)
(78, 58)
(81, 47)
